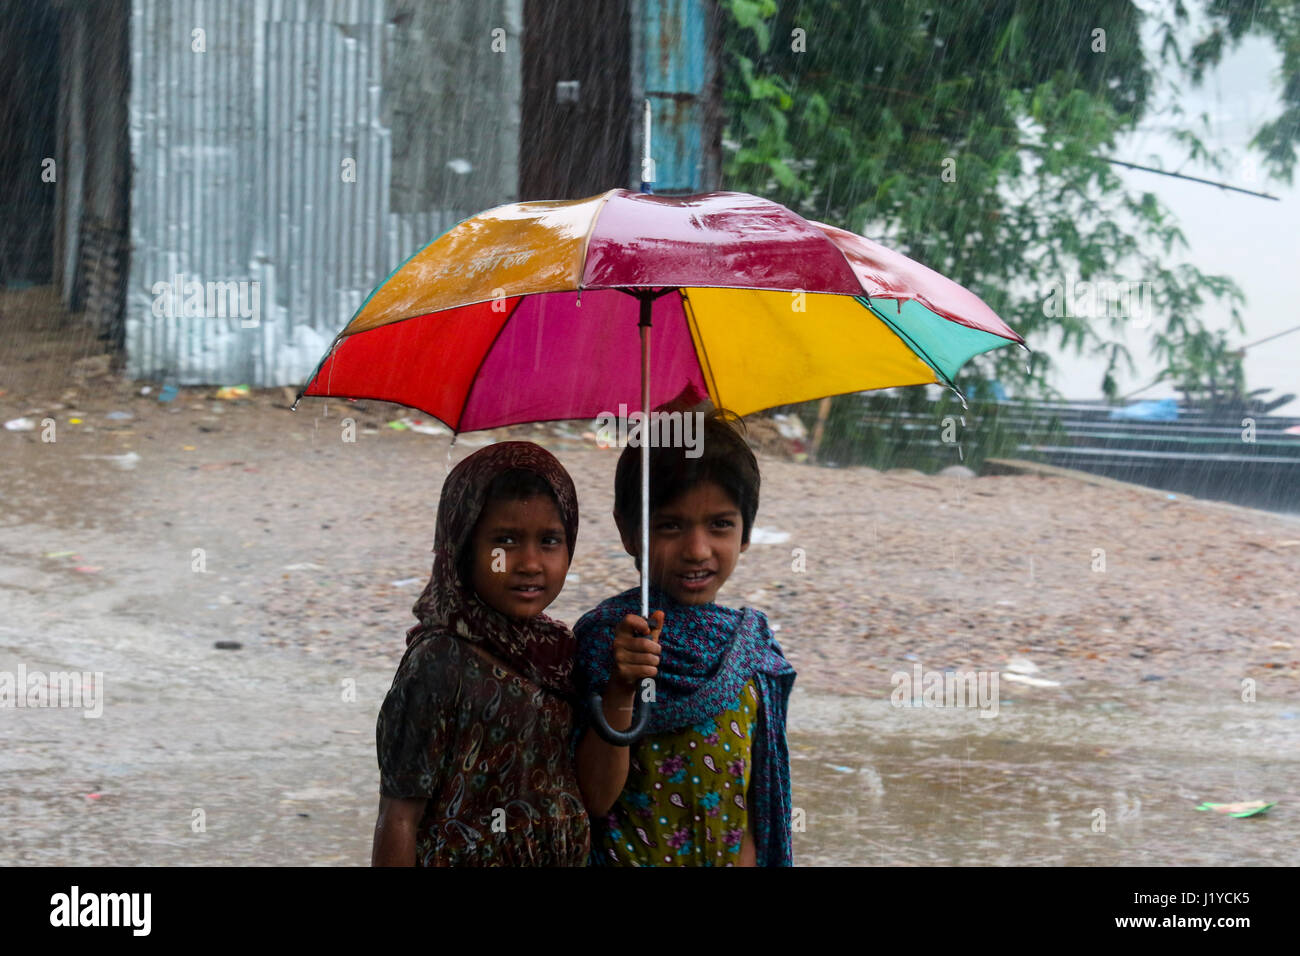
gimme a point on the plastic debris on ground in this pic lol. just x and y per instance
(1019, 670)
(1158, 410)
(1244, 809)
(168, 393)
(125, 462)
(20, 425)
(768, 536)
(423, 427)
(231, 392)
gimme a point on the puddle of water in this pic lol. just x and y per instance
(1101, 780)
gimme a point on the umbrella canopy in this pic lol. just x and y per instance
(524, 310)
(539, 311)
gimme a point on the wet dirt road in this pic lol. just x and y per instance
(132, 545)
(265, 756)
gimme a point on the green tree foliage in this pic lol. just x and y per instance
(974, 136)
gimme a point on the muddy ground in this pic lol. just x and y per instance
(148, 531)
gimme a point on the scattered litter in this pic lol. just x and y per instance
(397, 426)
(572, 578)
(187, 447)
(168, 393)
(125, 462)
(74, 421)
(61, 554)
(1152, 677)
(839, 769)
(910, 657)
(1249, 809)
(422, 427)
(405, 582)
(119, 416)
(768, 536)
(87, 569)
(20, 425)
(231, 392)
(305, 815)
(1022, 665)
(93, 796)
(308, 566)
(790, 426)
(146, 389)
(1025, 679)
(1155, 410)
(227, 645)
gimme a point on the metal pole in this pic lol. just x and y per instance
(645, 457)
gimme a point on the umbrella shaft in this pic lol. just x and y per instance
(644, 326)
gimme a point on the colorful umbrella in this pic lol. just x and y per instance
(533, 311)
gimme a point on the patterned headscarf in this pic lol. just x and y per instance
(540, 648)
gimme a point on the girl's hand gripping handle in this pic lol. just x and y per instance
(636, 658)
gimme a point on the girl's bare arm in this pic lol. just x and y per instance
(602, 768)
(395, 830)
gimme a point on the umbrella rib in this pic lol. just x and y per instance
(486, 352)
(692, 326)
(586, 240)
(865, 298)
(916, 348)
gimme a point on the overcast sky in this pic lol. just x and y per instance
(1254, 241)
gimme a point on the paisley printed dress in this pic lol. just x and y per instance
(685, 800)
(490, 751)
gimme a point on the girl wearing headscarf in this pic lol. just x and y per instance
(475, 735)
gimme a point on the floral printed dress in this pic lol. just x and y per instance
(684, 803)
(490, 752)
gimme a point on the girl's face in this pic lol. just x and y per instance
(520, 556)
(694, 543)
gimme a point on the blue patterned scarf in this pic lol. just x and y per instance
(709, 653)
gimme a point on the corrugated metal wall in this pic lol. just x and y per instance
(242, 156)
(680, 61)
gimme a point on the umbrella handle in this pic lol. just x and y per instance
(619, 738)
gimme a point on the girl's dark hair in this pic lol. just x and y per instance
(516, 484)
(725, 458)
